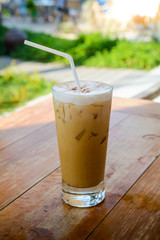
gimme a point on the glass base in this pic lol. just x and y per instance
(83, 197)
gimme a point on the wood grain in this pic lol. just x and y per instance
(25, 162)
(137, 216)
(30, 159)
(40, 211)
(21, 123)
(136, 106)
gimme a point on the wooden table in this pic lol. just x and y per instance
(30, 177)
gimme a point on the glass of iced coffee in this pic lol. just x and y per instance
(82, 123)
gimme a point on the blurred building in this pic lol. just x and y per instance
(43, 7)
(106, 16)
(118, 16)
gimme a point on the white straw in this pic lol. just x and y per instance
(35, 45)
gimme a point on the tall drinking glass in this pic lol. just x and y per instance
(82, 123)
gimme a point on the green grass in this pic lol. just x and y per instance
(16, 88)
(91, 50)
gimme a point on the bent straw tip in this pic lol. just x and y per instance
(26, 42)
(69, 57)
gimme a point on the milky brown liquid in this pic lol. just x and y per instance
(82, 133)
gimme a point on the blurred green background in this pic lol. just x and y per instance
(83, 29)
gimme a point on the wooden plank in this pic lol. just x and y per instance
(25, 162)
(137, 216)
(41, 212)
(21, 123)
(30, 159)
(116, 117)
(136, 106)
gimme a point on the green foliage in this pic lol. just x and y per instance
(3, 30)
(31, 6)
(88, 45)
(137, 55)
(81, 49)
(17, 87)
(92, 50)
(29, 53)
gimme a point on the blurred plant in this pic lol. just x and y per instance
(3, 31)
(17, 87)
(32, 8)
(93, 50)
(88, 45)
(136, 55)
(28, 53)
(6, 12)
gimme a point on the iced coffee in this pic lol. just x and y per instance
(82, 123)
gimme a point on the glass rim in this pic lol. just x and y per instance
(109, 90)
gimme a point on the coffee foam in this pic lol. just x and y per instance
(91, 92)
